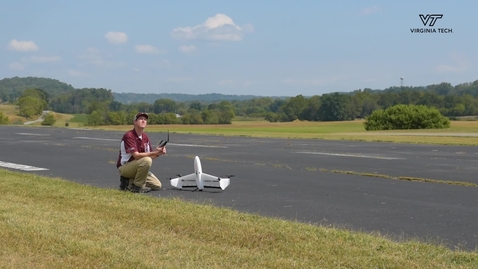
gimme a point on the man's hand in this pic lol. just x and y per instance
(160, 151)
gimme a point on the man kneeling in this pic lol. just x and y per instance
(136, 157)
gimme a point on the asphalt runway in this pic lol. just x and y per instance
(285, 178)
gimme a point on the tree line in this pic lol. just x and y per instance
(102, 108)
(461, 100)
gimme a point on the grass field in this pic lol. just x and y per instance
(460, 132)
(53, 223)
(11, 112)
(343, 130)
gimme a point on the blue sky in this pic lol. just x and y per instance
(265, 48)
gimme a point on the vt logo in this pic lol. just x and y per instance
(430, 19)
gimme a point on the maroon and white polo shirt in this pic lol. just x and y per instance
(131, 143)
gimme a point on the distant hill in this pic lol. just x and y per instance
(17, 85)
(12, 88)
(128, 98)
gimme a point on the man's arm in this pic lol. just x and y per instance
(152, 154)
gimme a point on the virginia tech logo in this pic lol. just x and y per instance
(430, 20)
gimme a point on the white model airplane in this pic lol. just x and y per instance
(200, 180)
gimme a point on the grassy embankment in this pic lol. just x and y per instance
(52, 223)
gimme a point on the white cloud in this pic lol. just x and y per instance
(313, 82)
(147, 49)
(459, 64)
(248, 28)
(187, 49)
(116, 37)
(305, 82)
(41, 59)
(220, 27)
(16, 66)
(234, 83)
(226, 82)
(445, 68)
(369, 10)
(75, 73)
(22, 45)
(94, 57)
(162, 64)
(179, 79)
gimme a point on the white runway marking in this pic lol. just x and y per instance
(173, 144)
(32, 134)
(199, 146)
(94, 138)
(351, 155)
(21, 166)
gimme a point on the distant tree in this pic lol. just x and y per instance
(408, 97)
(387, 99)
(257, 107)
(115, 106)
(165, 118)
(49, 119)
(335, 107)
(30, 106)
(32, 102)
(4, 97)
(293, 107)
(311, 111)
(212, 106)
(272, 117)
(116, 118)
(225, 112)
(164, 106)
(441, 89)
(145, 107)
(186, 118)
(195, 105)
(99, 106)
(209, 117)
(276, 105)
(471, 105)
(3, 119)
(192, 117)
(95, 119)
(431, 99)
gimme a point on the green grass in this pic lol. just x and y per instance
(53, 223)
(343, 130)
(340, 130)
(79, 118)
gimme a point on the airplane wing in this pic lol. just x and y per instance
(184, 181)
(210, 181)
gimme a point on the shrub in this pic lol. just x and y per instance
(48, 119)
(406, 117)
(3, 118)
